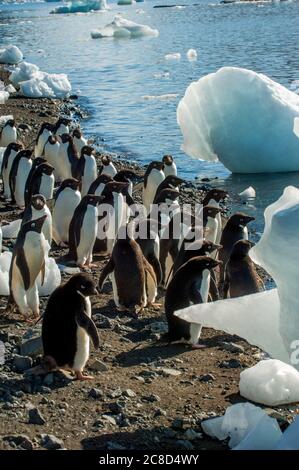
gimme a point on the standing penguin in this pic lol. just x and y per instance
(126, 176)
(18, 175)
(51, 152)
(37, 209)
(98, 185)
(210, 222)
(42, 137)
(79, 140)
(41, 181)
(28, 260)
(8, 157)
(67, 158)
(213, 198)
(83, 230)
(153, 176)
(170, 182)
(87, 168)
(241, 277)
(126, 271)
(169, 166)
(107, 168)
(67, 198)
(8, 133)
(67, 327)
(189, 251)
(61, 126)
(188, 286)
(147, 237)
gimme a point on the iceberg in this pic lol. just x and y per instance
(290, 438)
(268, 319)
(10, 55)
(24, 71)
(242, 118)
(81, 6)
(123, 28)
(270, 382)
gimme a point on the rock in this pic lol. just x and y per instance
(24, 127)
(129, 393)
(151, 398)
(170, 372)
(159, 327)
(206, 378)
(159, 412)
(230, 364)
(49, 379)
(117, 407)
(191, 435)
(95, 393)
(184, 444)
(99, 366)
(110, 419)
(169, 433)
(114, 446)
(103, 322)
(22, 363)
(21, 440)
(115, 393)
(178, 423)
(35, 416)
(231, 347)
(32, 347)
(51, 442)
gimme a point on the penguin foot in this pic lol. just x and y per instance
(198, 346)
(80, 376)
(154, 305)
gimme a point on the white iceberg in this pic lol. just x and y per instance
(173, 56)
(290, 438)
(242, 118)
(10, 55)
(81, 6)
(268, 319)
(270, 382)
(24, 71)
(191, 54)
(247, 426)
(248, 193)
(46, 85)
(52, 278)
(123, 28)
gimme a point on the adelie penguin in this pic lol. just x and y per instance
(68, 158)
(87, 168)
(67, 198)
(51, 152)
(9, 155)
(170, 168)
(147, 237)
(79, 140)
(18, 175)
(37, 209)
(61, 127)
(67, 327)
(98, 185)
(8, 134)
(188, 286)
(241, 277)
(41, 181)
(42, 138)
(170, 182)
(153, 176)
(28, 261)
(213, 198)
(83, 231)
(126, 176)
(107, 167)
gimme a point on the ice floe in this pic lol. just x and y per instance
(10, 55)
(191, 54)
(81, 6)
(173, 56)
(248, 193)
(242, 118)
(123, 28)
(166, 97)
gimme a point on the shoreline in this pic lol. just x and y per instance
(155, 396)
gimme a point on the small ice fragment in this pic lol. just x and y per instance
(173, 56)
(11, 230)
(248, 193)
(192, 54)
(10, 55)
(264, 436)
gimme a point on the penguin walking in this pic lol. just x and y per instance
(41, 181)
(170, 168)
(79, 140)
(66, 338)
(37, 209)
(189, 285)
(83, 230)
(41, 139)
(28, 260)
(241, 277)
(18, 175)
(98, 185)
(67, 198)
(51, 152)
(61, 127)
(8, 133)
(213, 198)
(87, 169)
(126, 271)
(108, 167)
(67, 158)
(153, 176)
(8, 157)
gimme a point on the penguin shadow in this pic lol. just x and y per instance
(33, 384)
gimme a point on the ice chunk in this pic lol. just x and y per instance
(166, 97)
(270, 382)
(46, 85)
(25, 71)
(242, 423)
(173, 56)
(192, 54)
(262, 111)
(10, 55)
(248, 193)
(290, 438)
(81, 6)
(123, 28)
(5, 260)
(4, 95)
(52, 278)
(11, 230)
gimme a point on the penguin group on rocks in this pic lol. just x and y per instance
(70, 199)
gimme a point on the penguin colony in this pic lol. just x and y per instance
(68, 201)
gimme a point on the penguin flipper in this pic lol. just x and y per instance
(225, 287)
(21, 262)
(88, 325)
(108, 269)
(214, 292)
(195, 295)
(153, 260)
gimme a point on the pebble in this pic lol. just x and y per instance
(51, 442)
(32, 347)
(230, 364)
(99, 366)
(231, 347)
(151, 398)
(22, 363)
(95, 393)
(129, 393)
(170, 372)
(110, 419)
(21, 440)
(35, 416)
(206, 378)
(184, 444)
(115, 393)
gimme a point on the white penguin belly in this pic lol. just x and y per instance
(63, 212)
(21, 177)
(87, 235)
(90, 174)
(170, 170)
(83, 343)
(205, 285)
(64, 166)
(154, 179)
(47, 226)
(39, 147)
(195, 332)
(34, 249)
(47, 186)
(245, 233)
(51, 154)
(5, 175)
(211, 230)
(8, 136)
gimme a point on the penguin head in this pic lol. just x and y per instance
(167, 160)
(155, 165)
(14, 146)
(46, 126)
(87, 150)
(65, 138)
(210, 211)
(241, 248)
(92, 200)
(209, 247)
(38, 201)
(168, 194)
(125, 176)
(83, 284)
(172, 180)
(25, 154)
(240, 219)
(52, 139)
(10, 123)
(115, 187)
(77, 133)
(62, 122)
(200, 263)
(217, 195)
(38, 161)
(34, 225)
(71, 183)
(106, 160)
(46, 169)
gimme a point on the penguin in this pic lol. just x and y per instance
(51, 152)
(8, 157)
(79, 140)
(61, 127)
(126, 271)
(234, 230)
(8, 133)
(1, 238)
(188, 251)
(213, 198)
(98, 185)
(153, 176)
(18, 175)
(83, 230)
(189, 285)
(28, 260)
(37, 209)
(107, 167)
(126, 176)
(42, 137)
(67, 198)
(41, 181)
(68, 158)
(241, 277)
(210, 222)
(147, 237)
(87, 169)
(151, 285)
(35, 163)
(170, 168)
(170, 182)
(67, 327)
